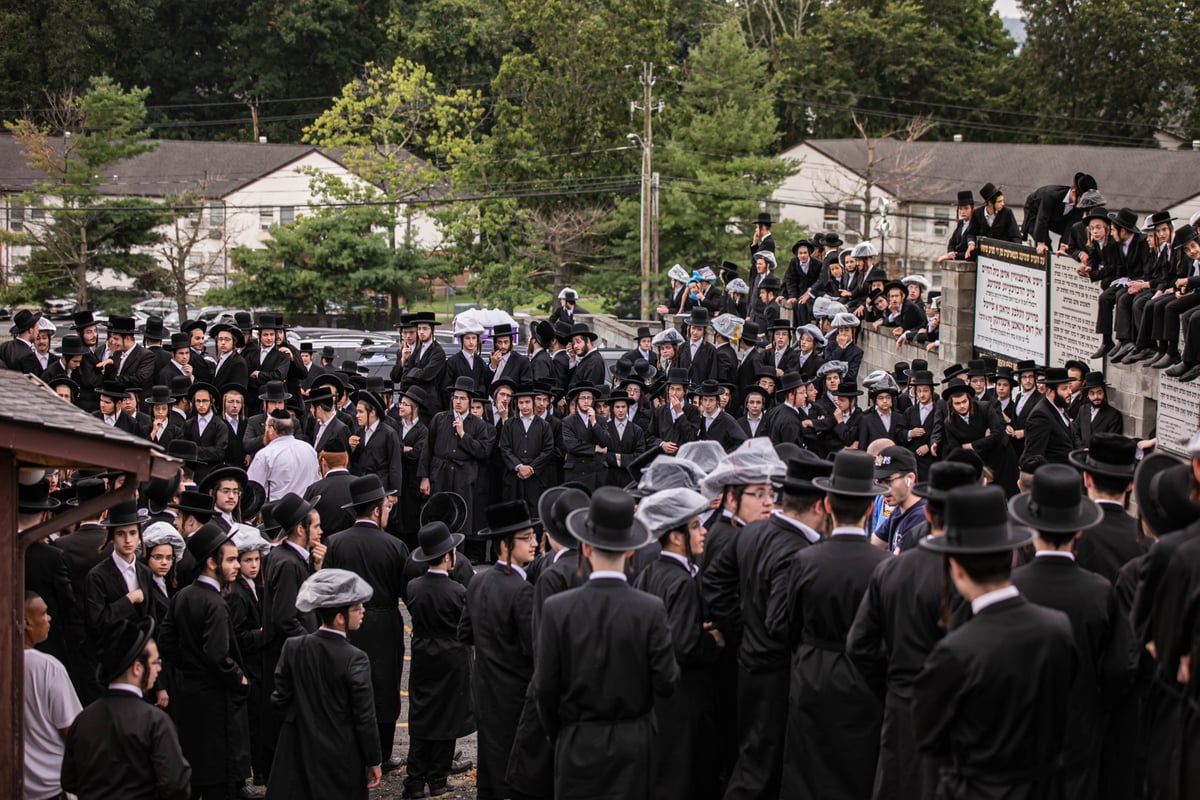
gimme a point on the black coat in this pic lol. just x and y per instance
(406, 518)
(895, 628)
(628, 446)
(380, 456)
(1083, 427)
(604, 655)
(457, 367)
(47, 575)
(582, 463)
(427, 371)
(138, 368)
(20, 357)
(534, 448)
(233, 372)
(871, 427)
(724, 430)
(122, 746)
(724, 366)
(975, 703)
(684, 429)
(589, 369)
(439, 681)
(825, 585)
(1004, 227)
(106, 604)
(497, 620)
(684, 758)
(1047, 435)
(1103, 643)
(334, 492)
(452, 463)
(199, 641)
(1049, 217)
(985, 433)
(284, 571)
(516, 369)
(334, 429)
(212, 446)
(329, 735)
(934, 426)
(700, 365)
(959, 239)
(1110, 545)
(379, 559)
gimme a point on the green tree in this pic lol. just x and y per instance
(73, 149)
(311, 263)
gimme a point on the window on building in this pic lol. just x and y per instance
(917, 222)
(216, 216)
(266, 218)
(941, 221)
(16, 218)
(831, 216)
(37, 212)
(854, 219)
(287, 215)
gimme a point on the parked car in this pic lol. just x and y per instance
(59, 308)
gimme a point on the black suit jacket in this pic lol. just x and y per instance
(1004, 227)
(138, 367)
(698, 367)
(1050, 217)
(428, 370)
(870, 428)
(456, 367)
(1083, 427)
(106, 604)
(334, 491)
(84, 549)
(589, 369)
(516, 369)
(212, 445)
(380, 456)
(233, 372)
(1047, 435)
(723, 430)
(541, 366)
(1110, 545)
(724, 366)
(19, 357)
(334, 429)
(959, 239)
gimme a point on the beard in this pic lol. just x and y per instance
(1060, 401)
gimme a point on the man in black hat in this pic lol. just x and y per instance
(1057, 511)
(206, 429)
(196, 331)
(802, 272)
(643, 347)
(588, 362)
(458, 441)
(956, 248)
(18, 353)
(906, 610)
(199, 642)
(231, 368)
(1096, 415)
(131, 365)
(273, 396)
(326, 427)
(118, 588)
(762, 239)
(812, 609)
(375, 448)
(289, 564)
(998, 742)
(69, 364)
(716, 424)
(738, 585)
(585, 439)
(1048, 429)
(603, 655)
(675, 422)
(425, 366)
(504, 362)
(1108, 467)
(541, 340)
(1053, 209)
(882, 420)
(526, 445)
(696, 355)
(378, 558)
(439, 685)
(925, 421)
(120, 745)
(497, 620)
(331, 494)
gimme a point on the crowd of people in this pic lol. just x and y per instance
(707, 570)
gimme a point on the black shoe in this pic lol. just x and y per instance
(1123, 349)
(415, 792)
(1190, 375)
(1141, 355)
(1165, 360)
(1104, 350)
(460, 765)
(1178, 370)
(439, 790)
(393, 764)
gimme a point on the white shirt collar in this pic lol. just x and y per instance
(514, 568)
(608, 574)
(301, 550)
(561, 553)
(437, 572)
(812, 536)
(1054, 554)
(993, 597)
(117, 686)
(208, 581)
(123, 565)
(692, 568)
(334, 630)
(848, 530)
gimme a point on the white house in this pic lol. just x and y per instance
(247, 189)
(920, 180)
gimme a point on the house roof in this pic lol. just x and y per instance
(173, 166)
(1143, 179)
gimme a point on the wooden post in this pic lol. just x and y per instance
(12, 657)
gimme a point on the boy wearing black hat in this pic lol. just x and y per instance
(956, 248)
(603, 655)
(120, 745)
(118, 588)
(378, 558)
(1048, 430)
(439, 683)
(497, 620)
(696, 355)
(526, 448)
(999, 740)
(737, 588)
(199, 642)
(458, 442)
(812, 608)
(1057, 511)
(375, 448)
(1108, 468)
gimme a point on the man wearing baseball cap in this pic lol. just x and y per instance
(896, 468)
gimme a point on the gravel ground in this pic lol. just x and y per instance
(392, 787)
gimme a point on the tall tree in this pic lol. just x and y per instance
(73, 148)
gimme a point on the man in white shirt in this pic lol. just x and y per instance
(51, 705)
(286, 464)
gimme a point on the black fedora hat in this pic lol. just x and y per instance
(944, 476)
(23, 320)
(583, 387)
(407, 320)
(425, 318)
(920, 377)
(435, 540)
(84, 319)
(506, 518)
(417, 395)
(956, 386)
(608, 523)
(184, 449)
(180, 384)
(197, 504)
(1083, 182)
(917, 365)
(543, 333)
(976, 368)
(113, 390)
(555, 504)
(32, 498)
(1054, 376)
(965, 198)
(802, 470)
(708, 389)
(1098, 213)
(789, 382)
(371, 399)
(1109, 454)
(1159, 218)
(206, 540)
(1126, 218)
(226, 327)
(643, 332)
(677, 376)
(190, 325)
(63, 380)
(1162, 487)
(122, 325)
(253, 499)
(763, 218)
(72, 345)
(159, 395)
(1027, 365)
(366, 489)
(1056, 503)
(977, 523)
(324, 394)
(123, 645)
(179, 341)
(449, 508)
(562, 332)
(698, 317)
(274, 391)
(1184, 234)
(462, 384)
(292, 509)
(853, 475)
(198, 385)
(88, 489)
(1093, 380)
(158, 492)
(122, 514)
(225, 473)
(989, 191)
(581, 329)
(848, 389)
(154, 328)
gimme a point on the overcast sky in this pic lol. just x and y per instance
(1008, 8)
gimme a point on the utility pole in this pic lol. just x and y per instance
(647, 107)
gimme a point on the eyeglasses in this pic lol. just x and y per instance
(761, 494)
(526, 537)
(168, 557)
